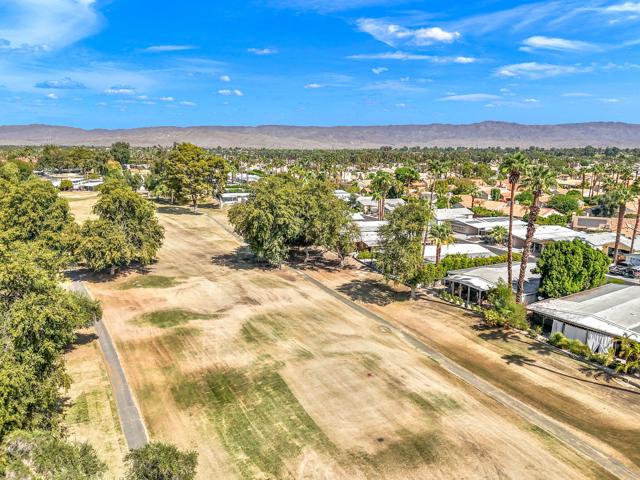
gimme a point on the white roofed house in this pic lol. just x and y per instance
(471, 250)
(595, 317)
(342, 195)
(473, 284)
(369, 233)
(543, 235)
(231, 198)
(479, 227)
(450, 214)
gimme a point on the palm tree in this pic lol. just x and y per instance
(636, 191)
(540, 180)
(475, 192)
(622, 194)
(499, 234)
(514, 166)
(441, 235)
(427, 214)
(381, 185)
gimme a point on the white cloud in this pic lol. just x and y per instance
(52, 96)
(167, 99)
(225, 78)
(64, 84)
(531, 100)
(313, 85)
(169, 48)
(539, 42)
(395, 86)
(534, 70)
(626, 7)
(506, 92)
(399, 55)
(327, 6)
(609, 100)
(401, 105)
(187, 103)
(469, 97)
(263, 51)
(395, 35)
(120, 90)
(379, 70)
(35, 25)
(231, 93)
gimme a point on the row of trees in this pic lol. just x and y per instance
(287, 212)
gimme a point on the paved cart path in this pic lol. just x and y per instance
(133, 427)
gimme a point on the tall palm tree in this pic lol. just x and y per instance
(514, 167)
(622, 194)
(539, 181)
(441, 235)
(475, 192)
(427, 216)
(636, 191)
(381, 185)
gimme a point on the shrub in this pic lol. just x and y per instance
(505, 311)
(66, 185)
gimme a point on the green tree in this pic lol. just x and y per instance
(505, 311)
(621, 194)
(121, 152)
(41, 455)
(401, 259)
(161, 461)
(571, 267)
(565, 204)
(541, 179)
(195, 173)
(131, 214)
(270, 221)
(514, 167)
(441, 235)
(499, 234)
(406, 175)
(104, 246)
(66, 185)
(496, 194)
(382, 184)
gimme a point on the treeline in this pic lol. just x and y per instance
(39, 239)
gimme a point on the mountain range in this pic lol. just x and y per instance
(484, 134)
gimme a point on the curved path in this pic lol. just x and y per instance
(133, 427)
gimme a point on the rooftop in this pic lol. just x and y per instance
(487, 277)
(471, 249)
(548, 233)
(612, 309)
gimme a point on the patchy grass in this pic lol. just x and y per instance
(411, 451)
(434, 402)
(173, 317)
(268, 282)
(79, 411)
(149, 281)
(258, 418)
(263, 328)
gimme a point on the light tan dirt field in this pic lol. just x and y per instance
(268, 376)
(92, 414)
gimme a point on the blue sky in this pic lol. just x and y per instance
(133, 63)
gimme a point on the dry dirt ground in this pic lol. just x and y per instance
(92, 416)
(268, 376)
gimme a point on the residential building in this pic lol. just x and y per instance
(450, 214)
(473, 284)
(231, 198)
(595, 317)
(472, 250)
(543, 235)
(478, 227)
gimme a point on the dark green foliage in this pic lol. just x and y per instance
(554, 219)
(128, 230)
(459, 261)
(485, 212)
(161, 461)
(504, 310)
(66, 185)
(121, 152)
(496, 194)
(566, 204)
(571, 267)
(41, 455)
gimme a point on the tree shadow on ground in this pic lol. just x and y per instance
(174, 210)
(522, 361)
(371, 291)
(490, 333)
(242, 258)
(82, 338)
(319, 262)
(85, 275)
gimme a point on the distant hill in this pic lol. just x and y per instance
(484, 134)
